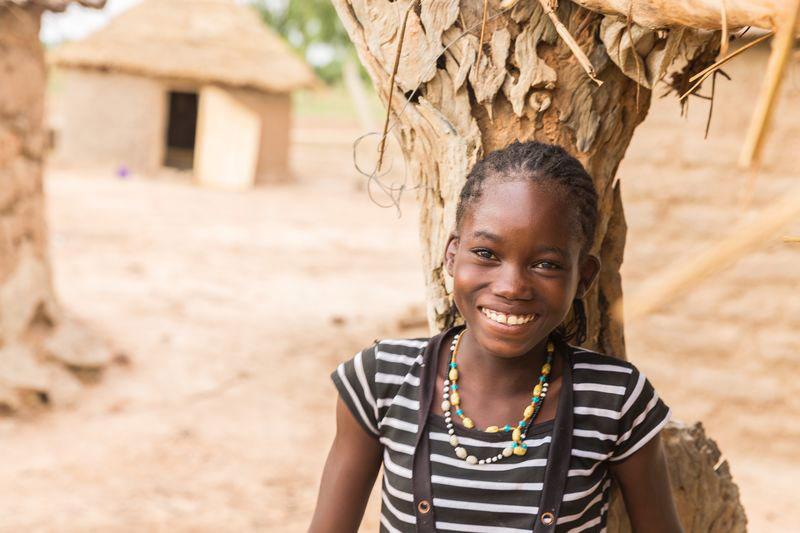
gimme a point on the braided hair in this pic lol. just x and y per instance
(548, 165)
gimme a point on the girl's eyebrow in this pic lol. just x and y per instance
(486, 235)
(553, 249)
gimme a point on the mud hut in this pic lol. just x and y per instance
(191, 84)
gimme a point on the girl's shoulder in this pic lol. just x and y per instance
(613, 398)
(381, 375)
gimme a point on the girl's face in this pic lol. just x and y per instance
(517, 265)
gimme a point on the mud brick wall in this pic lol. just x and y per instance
(734, 337)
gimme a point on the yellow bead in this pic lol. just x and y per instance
(455, 399)
(492, 429)
(468, 423)
(546, 369)
(515, 435)
(519, 450)
(537, 390)
(528, 412)
(453, 375)
(551, 347)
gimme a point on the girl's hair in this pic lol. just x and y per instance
(551, 166)
(545, 164)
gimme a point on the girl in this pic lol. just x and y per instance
(500, 426)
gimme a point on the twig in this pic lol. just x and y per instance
(711, 104)
(570, 40)
(391, 84)
(781, 48)
(730, 56)
(723, 40)
(705, 73)
(480, 44)
(629, 27)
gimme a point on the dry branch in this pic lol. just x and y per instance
(781, 47)
(563, 32)
(396, 65)
(686, 275)
(723, 39)
(701, 14)
(708, 71)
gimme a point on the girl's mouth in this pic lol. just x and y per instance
(506, 319)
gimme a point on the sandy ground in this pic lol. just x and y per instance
(233, 309)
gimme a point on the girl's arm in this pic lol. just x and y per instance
(348, 477)
(644, 480)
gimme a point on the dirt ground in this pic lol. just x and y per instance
(233, 308)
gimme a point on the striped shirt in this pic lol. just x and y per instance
(616, 412)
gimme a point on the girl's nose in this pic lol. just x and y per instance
(512, 283)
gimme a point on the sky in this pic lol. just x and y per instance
(77, 21)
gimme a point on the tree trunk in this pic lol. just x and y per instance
(528, 86)
(38, 344)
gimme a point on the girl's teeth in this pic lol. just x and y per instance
(511, 320)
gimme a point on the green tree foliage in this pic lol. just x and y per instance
(310, 23)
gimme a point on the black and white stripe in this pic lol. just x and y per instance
(616, 412)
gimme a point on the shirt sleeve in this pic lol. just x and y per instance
(642, 416)
(355, 382)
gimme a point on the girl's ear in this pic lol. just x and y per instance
(450, 253)
(589, 269)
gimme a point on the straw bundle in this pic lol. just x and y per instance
(198, 40)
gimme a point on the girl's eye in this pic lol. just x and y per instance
(547, 265)
(483, 253)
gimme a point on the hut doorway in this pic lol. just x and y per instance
(181, 130)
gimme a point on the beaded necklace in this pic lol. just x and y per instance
(518, 432)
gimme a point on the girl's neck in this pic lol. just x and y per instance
(512, 375)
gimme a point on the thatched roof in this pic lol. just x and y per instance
(199, 40)
(53, 5)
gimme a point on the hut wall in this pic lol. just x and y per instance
(682, 196)
(111, 118)
(275, 112)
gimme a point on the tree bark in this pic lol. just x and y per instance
(447, 113)
(39, 344)
(529, 87)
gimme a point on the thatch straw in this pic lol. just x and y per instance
(213, 41)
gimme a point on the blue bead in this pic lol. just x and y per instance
(522, 423)
(454, 386)
(536, 399)
(507, 428)
(453, 365)
(541, 378)
(459, 412)
(524, 445)
(514, 445)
